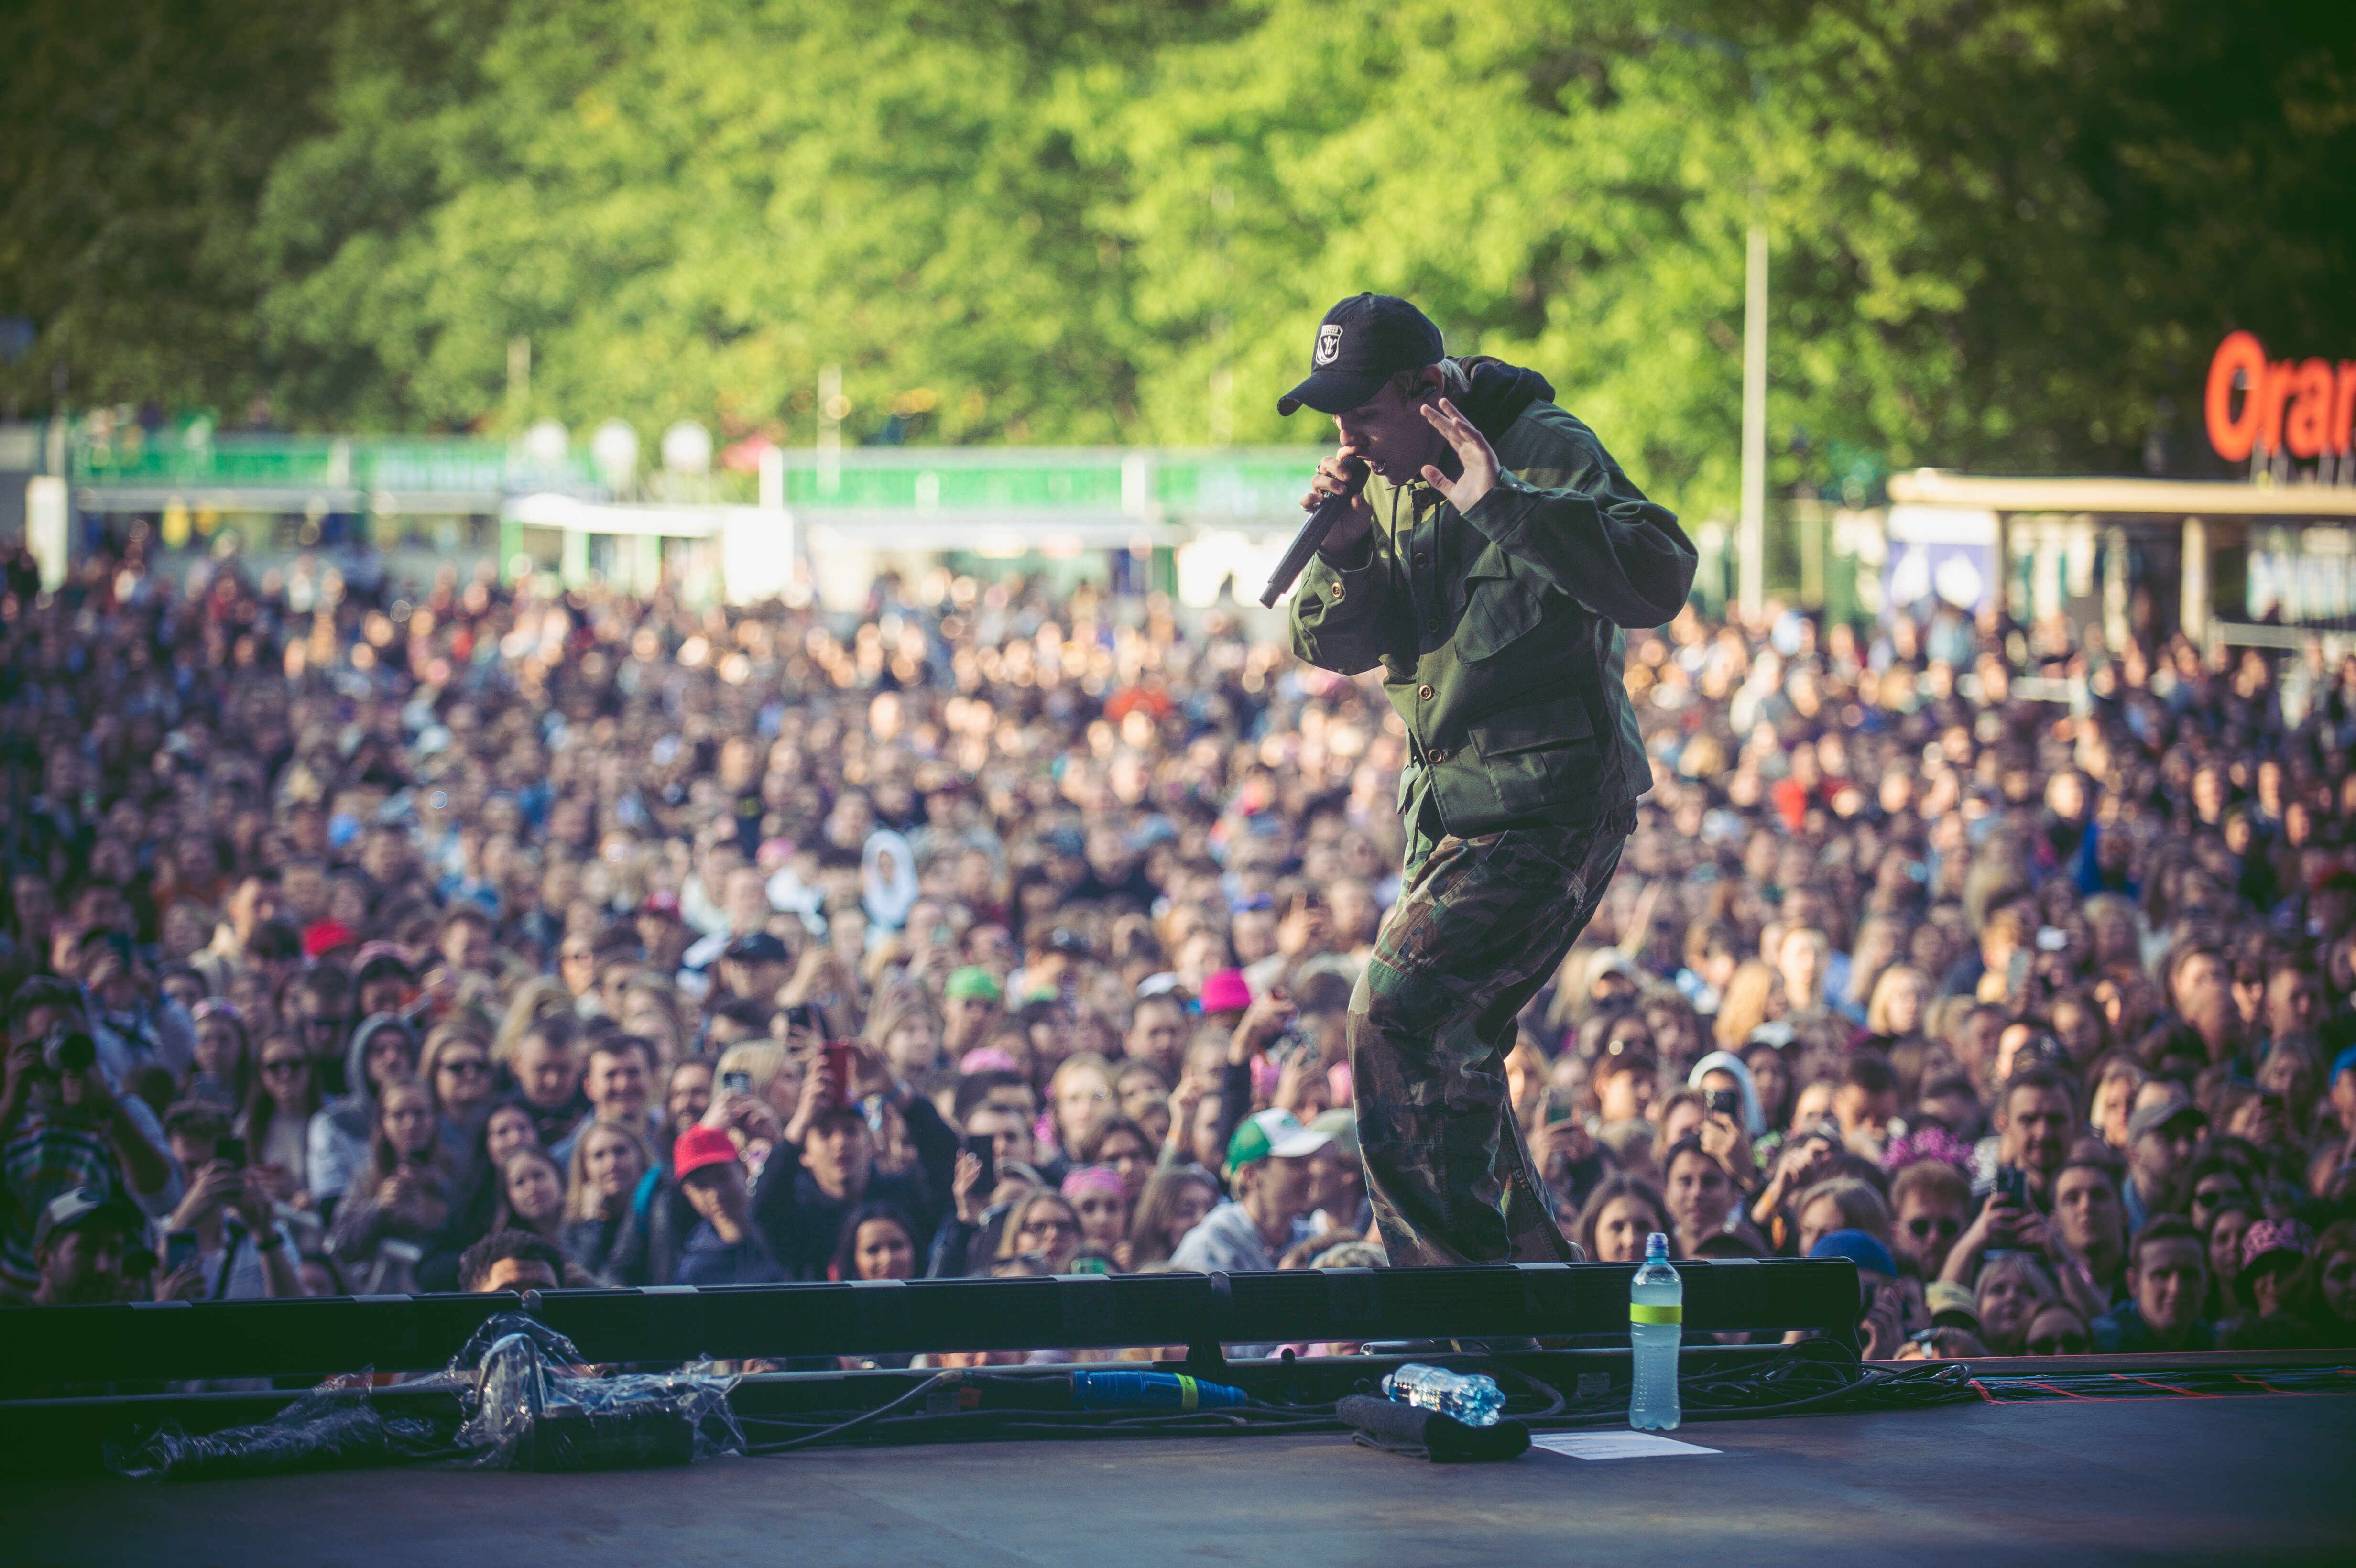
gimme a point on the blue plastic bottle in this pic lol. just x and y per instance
(1150, 1391)
(1656, 1311)
(1471, 1398)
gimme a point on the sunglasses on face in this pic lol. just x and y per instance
(2059, 1345)
(1927, 1226)
(465, 1066)
(285, 1067)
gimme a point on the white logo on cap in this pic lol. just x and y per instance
(1329, 343)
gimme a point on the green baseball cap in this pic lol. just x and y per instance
(1341, 1124)
(973, 982)
(1273, 1134)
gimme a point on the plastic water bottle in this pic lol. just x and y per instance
(1657, 1312)
(1150, 1391)
(1471, 1398)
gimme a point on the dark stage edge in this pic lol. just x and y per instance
(2145, 1480)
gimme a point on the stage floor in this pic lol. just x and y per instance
(2209, 1479)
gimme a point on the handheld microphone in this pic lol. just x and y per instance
(1295, 559)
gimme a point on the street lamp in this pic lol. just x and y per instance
(1751, 529)
(615, 450)
(1750, 546)
(687, 448)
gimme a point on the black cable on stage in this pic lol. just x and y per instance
(862, 1419)
(881, 1425)
(965, 1424)
(1789, 1387)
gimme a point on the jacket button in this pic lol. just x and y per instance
(1423, 693)
(1439, 755)
(1421, 558)
(1337, 591)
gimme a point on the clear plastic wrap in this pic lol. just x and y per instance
(527, 1403)
(539, 1410)
(334, 1426)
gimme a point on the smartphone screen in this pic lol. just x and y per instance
(180, 1250)
(736, 1083)
(834, 1069)
(232, 1151)
(1723, 1102)
(984, 1147)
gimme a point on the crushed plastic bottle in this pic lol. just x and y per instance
(1656, 1311)
(1470, 1397)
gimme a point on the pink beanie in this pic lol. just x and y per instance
(1225, 992)
(1097, 1178)
(987, 1058)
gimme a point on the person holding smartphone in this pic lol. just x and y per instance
(403, 1197)
(65, 1126)
(2036, 1120)
(1732, 1120)
(242, 1252)
(824, 1162)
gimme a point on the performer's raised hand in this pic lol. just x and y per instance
(1474, 453)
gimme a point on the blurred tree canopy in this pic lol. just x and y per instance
(135, 140)
(2005, 234)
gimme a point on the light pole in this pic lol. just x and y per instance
(1750, 529)
(1751, 545)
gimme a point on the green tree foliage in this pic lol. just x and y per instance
(2005, 233)
(2000, 234)
(135, 138)
(690, 209)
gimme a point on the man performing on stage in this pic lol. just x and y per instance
(1488, 567)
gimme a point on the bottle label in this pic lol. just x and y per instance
(1640, 1313)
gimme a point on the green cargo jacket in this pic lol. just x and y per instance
(1499, 632)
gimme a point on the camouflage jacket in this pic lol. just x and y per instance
(1499, 632)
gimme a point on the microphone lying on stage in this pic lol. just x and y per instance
(1295, 561)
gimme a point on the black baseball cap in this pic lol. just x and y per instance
(1361, 343)
(756, 947)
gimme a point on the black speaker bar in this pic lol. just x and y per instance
(53, 1346)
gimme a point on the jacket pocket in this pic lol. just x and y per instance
(1538, 760)
(1533, 727)
(1500, 608)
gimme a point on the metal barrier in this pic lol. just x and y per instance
(53, 1346)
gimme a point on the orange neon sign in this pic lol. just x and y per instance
(2303, 407)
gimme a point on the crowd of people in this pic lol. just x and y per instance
(516, 937)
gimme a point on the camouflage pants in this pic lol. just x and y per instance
(1480, 925)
